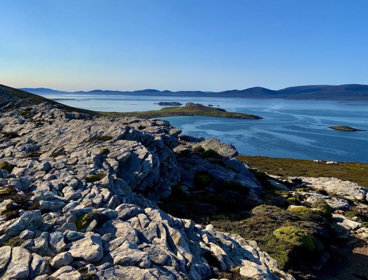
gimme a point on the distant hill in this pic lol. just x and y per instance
(313, 92)
(16, 98)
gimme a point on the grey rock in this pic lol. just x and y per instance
(62, 259)
(18, 268)
(56, 242)
(94, 244)
(5, 254)
(67, 273)
(29, 220)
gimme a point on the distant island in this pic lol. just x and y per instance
(190, 109)
(349, 92)
(345, 128)
(169, 103)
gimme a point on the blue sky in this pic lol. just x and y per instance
(182, 44)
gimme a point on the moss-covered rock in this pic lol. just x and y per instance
(295, 236)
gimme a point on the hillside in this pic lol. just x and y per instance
(352, 92)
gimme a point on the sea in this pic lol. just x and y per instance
(289, 128)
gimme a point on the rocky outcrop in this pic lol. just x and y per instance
(78, 199)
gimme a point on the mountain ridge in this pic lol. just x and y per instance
(345, 92)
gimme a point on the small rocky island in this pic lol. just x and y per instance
(190, 109)
(345, 128)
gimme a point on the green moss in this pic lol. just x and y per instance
(293, 201)
(8, 190)
(6, 166)
(325, 209)
(295, 236)
(13, 242)
(202, 179)
(302, 212)
(211, 154)
(98, 138)
(104, 151)
(95, 177)
(83, 221)
(351, 214)
(365, 224)
(279, 250)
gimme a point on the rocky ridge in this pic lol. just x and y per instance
(78, 200)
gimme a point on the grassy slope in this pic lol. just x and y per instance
(188, 110)
(348, 171)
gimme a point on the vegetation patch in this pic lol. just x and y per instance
(58, 153)
(202, 180)
(6, 166)
(285, 167)
(13, 242)
(83, 221)
(104, 151)
(99, 138)
(10, 135)
(295, 236)
(211, 154)
(33, 155)
(95, 177)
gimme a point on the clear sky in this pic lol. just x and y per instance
(182, 44)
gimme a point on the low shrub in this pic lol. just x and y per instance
(95, 177)
(98, 138)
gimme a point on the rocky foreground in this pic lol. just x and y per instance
(78, 200)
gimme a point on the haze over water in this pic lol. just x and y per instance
(290, 128)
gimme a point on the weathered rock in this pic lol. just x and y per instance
(18, 268)
(29, 220)
(226, 150)
(94, 244)
(5, 254)
(62, 259)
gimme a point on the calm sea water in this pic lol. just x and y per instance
(290, 129)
